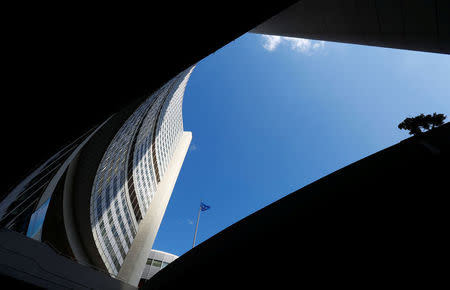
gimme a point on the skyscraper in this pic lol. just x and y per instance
(101, 199)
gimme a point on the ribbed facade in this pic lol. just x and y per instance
(131, 169)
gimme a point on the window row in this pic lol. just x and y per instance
(157, 263)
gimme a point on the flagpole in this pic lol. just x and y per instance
(196, 226)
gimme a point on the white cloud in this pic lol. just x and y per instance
(271, 42)
(299, 44)
(190, 222)
(306, 46)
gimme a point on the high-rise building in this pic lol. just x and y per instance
(101, 199)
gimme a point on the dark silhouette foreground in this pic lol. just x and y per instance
(378, 222)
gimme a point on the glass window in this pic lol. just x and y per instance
(149, 261)
(37, 219)
(157, 263)
(164, 264)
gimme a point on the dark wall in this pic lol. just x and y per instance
(377, 222)
(29, 264)
(67, 67)
(53, 229)
(413, 24)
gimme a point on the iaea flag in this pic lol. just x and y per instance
(204, 206)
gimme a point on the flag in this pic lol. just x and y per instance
(204, 206)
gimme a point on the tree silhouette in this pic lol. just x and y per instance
(422, 121)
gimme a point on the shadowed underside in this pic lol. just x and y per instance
(413, 25)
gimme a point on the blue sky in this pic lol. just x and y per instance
(270, 115)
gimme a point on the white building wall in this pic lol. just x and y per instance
(114, 212)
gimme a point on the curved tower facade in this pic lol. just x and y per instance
(101, 199)
(131, 169)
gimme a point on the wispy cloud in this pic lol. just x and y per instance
(319, 44)
(302, 45)
(190, 222)
(193, 147)
(271, 42)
